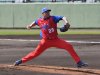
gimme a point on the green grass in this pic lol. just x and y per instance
(36, 31)
(83, 31)
(18, 32)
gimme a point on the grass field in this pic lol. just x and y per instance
(37, 31)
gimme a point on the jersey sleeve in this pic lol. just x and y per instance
(36, 22)
(57, 18)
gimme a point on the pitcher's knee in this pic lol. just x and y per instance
(69, 46)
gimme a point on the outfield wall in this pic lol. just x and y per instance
(79, 15)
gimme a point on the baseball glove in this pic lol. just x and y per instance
(65, 28)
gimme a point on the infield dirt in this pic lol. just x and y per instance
(53, 61)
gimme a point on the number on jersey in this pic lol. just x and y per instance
(51, 30)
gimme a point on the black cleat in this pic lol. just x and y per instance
(81, 64)
(17, 62)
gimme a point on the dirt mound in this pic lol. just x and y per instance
(48, 69)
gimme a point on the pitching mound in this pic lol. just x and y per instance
(9, 69)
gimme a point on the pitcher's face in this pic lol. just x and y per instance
(46, 14)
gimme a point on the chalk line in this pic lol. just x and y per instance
(71, 41)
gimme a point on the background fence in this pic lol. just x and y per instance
(53, 1)
(79, 15)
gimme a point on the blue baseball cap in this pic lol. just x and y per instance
(45, 10)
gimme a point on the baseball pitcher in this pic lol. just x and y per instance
(48, 26)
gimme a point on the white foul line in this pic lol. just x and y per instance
(72, 41)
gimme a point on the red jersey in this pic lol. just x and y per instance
(48, 26)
